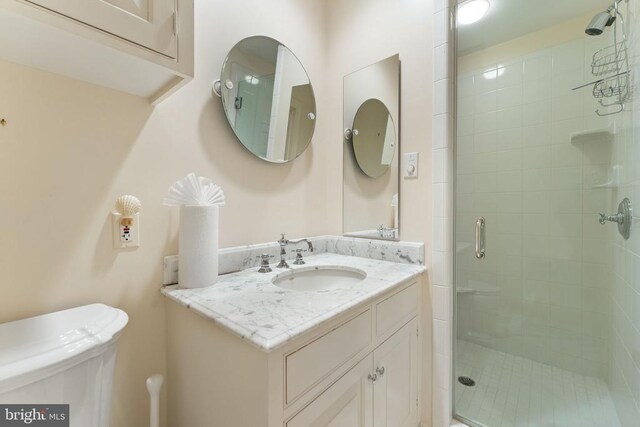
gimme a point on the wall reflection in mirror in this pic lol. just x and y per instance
(268, 99)
(371, 117)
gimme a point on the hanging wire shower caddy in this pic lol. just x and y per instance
(611, 63)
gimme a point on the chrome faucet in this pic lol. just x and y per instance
(386, 232)
(283, 242)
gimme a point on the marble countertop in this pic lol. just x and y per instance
(251, 307)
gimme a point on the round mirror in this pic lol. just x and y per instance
(374, 138)
(268, 99)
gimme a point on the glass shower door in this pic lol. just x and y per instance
(547, 294)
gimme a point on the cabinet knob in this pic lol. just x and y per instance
(380, 371)
(372, 377)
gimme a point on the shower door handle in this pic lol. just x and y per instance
(480, 226)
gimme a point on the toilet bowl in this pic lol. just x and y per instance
(66, 357)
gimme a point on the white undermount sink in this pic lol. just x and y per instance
(319, 278)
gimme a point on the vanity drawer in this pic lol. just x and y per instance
(308, 365)
(392, 312)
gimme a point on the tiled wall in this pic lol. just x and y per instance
(442, 256)
(540, 292)
(625, 361)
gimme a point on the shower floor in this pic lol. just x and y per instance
(512, 391)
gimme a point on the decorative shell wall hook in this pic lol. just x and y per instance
(127, 206)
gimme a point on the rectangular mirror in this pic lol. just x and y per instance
(371, 119)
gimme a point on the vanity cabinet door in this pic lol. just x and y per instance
(148, 23)
(347, 403)
(395, 395)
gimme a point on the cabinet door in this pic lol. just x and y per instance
(149, 23)
(347, 403)
(395, 391)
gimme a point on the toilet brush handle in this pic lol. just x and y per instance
(154, 385)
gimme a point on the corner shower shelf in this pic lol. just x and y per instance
(483, 290)
(594, 135)
(480, 337)
(615, 176)
(606, 185)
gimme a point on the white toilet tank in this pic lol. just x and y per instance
(67, 357)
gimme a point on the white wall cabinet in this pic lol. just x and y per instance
(148, 23)
(361, 370)
(143, 47)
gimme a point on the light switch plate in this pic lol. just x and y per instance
(410, 165)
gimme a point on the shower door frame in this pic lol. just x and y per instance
(453, 37)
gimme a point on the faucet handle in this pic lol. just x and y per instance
(264, 265)
(603, 217)
(283, 241)
(299, 260)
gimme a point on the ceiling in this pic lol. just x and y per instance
(508, 19)
(264, 48)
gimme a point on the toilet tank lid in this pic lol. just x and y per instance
(39, 346)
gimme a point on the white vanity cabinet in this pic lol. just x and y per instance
(395, 389)
(348, 402)
(362, 368)
(143, 47)
(380, 391)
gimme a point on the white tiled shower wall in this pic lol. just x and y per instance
(625, 361)
(540, 292)
(441, 256)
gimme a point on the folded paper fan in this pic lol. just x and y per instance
(194, 190)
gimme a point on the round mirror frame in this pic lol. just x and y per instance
(354, 134)
(219, 89)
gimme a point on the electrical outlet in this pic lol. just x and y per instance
(125, 236)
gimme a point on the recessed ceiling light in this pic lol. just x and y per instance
(472, 11)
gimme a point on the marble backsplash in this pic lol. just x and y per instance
(242, 257)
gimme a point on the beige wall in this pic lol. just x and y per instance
(71, 148)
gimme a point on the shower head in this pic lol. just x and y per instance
(600, 21)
